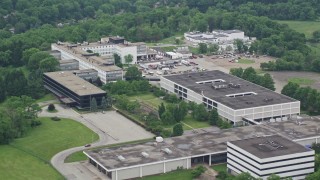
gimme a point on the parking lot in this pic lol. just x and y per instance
(117, 127)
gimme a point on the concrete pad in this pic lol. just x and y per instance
(118, 127)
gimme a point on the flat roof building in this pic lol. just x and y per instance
(72, 89)
(208, 147)
(264, 156)
(236, 99)
(106, 71)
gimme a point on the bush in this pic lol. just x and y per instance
(177, 130)
(35, 123)
(165, 133)
(198, 171)
(55, 118)
(51, 107)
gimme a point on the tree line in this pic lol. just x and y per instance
(155, 24)
(27, 80)
(251, 75)
(27, 14)
(308, 97)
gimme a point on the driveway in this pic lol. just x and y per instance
(111, 128)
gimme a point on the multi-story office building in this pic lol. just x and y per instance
(71, 89)
(264, 156)
(235, 99)
(88, 60)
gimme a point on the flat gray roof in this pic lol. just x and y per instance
(74, 83)
(297, 128)
(263, 95)
(209, 142)
(271, 146)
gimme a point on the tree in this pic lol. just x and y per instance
(290, 89)
(313, 176)
(213, 117)
(316, 36)
(268, 82)
(167, 118)
(128, 58)
(93, 105)
(236, 72)
(133, 73)
(117, 60)
(213, 48)
(177, 130)
(161, 109)
(203, 48)
(198, 171)
(273, 177)
(200, 113)
(104, 104)
(240, 45)
(51, 107)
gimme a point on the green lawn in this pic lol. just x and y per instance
(245, 61)
(193, 123)
(28, 157)
(306, 27)
(220, 167)
(174, 175)
(47, 97)
(16, 165)
(301, 81)
(149, 99)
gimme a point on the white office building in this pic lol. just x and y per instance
(235, 99)
(264, 156)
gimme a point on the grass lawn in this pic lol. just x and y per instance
(149, 99)
(175, 175)
(17, 165)
(26, 157)
(47, 97)
(245, 61)
(306, 27)
(54, 136)
(301, 81)
(193, 123)
(220, 167)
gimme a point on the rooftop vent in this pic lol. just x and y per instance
(144, 154)
(167, 150)
(268, 99)
(271, 145)
(121, 158)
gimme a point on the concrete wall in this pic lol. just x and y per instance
(150, 169)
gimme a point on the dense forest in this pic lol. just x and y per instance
(25, 14)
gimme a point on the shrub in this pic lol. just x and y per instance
(177, 130)
(35, 123)
(51, 107)
(198, 171)
(55, 118)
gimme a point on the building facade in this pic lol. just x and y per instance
(72, 90)
(264, 156)
(106, 72)
(235, 99)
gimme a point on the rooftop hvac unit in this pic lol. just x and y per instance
(121, 158)
(167, 150)
(159, 139)
(144, 154)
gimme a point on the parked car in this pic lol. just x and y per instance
(87, 145)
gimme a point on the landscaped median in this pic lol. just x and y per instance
(29, 157)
